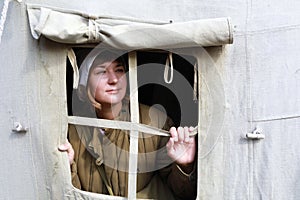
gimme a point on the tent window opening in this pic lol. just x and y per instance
(169, 94)
(149, 99)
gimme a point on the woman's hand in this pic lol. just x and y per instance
(181, 147)
(67, 147)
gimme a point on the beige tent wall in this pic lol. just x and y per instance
(30, 95)
(260, 78)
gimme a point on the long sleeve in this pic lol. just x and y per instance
(181, 184)
(74, 173)
(75, 179)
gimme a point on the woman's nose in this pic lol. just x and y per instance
(112, 78)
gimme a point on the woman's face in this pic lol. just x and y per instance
(107, 81)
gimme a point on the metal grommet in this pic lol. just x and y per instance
(18, 128)
(255, 135)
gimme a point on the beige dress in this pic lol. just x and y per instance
(157, 178)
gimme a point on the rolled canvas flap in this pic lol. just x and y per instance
(72, 27)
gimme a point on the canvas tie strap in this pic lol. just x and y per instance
(195, 87)
(134, 134)
(73, 61)
(124, 125)
(169, 65)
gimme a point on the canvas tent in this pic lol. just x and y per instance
(251, 83)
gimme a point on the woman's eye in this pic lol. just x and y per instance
(100, 72)
(120, 67)
(120, 70)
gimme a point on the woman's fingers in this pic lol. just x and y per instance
(173, 133)
(181, 134)
(67, 147)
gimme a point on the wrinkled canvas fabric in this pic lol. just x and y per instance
(260, 74)
(76, 28)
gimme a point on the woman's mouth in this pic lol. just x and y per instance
(112, 91)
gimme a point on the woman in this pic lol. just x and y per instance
(99, 157)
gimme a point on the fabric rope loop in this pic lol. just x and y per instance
(169, 64)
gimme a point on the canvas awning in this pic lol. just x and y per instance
(74, 27)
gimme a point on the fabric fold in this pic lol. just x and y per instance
(69, 27)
